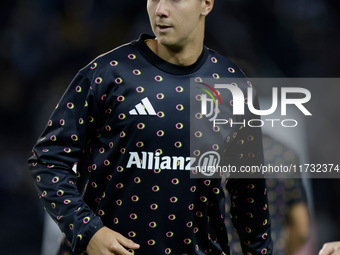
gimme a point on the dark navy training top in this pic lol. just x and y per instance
(120, 148)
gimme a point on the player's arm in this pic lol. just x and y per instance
(250, 216)
(71, 126)
(249, 208)
(54, 155)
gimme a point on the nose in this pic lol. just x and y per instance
(162, 9)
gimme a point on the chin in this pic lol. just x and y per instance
(167, 42)
(164, 41)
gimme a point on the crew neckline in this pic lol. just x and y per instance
(163, 65)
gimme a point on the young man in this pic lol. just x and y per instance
(123, 125)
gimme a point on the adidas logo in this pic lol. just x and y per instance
(143, 108)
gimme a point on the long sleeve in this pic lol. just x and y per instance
(127, 122)
(250, 215)
(56, 152)
(248, 195)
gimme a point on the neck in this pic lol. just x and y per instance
(183, 56)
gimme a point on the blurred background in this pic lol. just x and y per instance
(45, 43)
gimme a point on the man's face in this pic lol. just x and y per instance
(176, 23)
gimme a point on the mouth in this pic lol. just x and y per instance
(163, 28)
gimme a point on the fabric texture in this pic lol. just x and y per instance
(118, 151)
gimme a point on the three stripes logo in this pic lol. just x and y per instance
(143, 108)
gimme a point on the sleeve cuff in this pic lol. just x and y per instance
(81, 240)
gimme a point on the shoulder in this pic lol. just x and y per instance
(222, 70)
(112, 58)
(224, 63)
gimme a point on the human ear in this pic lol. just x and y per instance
(207, 6)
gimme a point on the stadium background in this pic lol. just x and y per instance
(44, 43)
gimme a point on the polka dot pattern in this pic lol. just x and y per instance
(124, 127)
(283, 195)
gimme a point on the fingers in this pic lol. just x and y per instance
(107, 241)
(332, 248)
(126, 242)
(118, 249)
(326, 251)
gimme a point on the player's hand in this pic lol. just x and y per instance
(330, 249)
(106, 241)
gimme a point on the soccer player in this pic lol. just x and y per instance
(113, 164)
